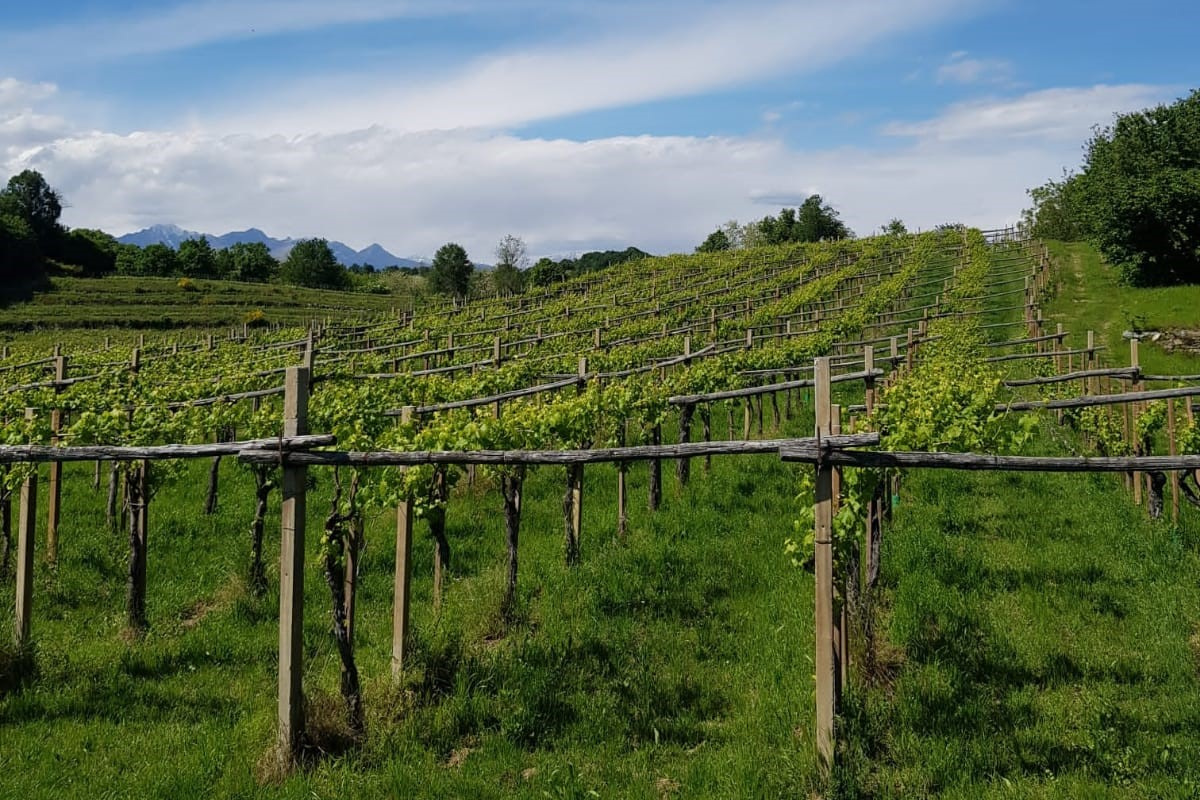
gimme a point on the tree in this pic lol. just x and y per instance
(1055, 213)
(1139, 193)
(311, 263)
(895, 228)
(511, 252)
(547, 271)
(814, 221)
(92, 250)
(157, 261)
(508, 280)
(197, 258)
(716, 242)
(451, 270)
(817, 221)
(251, 261)
(20, 256)
(507, 277)
(30, 197)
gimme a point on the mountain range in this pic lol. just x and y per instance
(173, 236)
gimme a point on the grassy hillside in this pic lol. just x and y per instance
(128, 302)
(1090, 297)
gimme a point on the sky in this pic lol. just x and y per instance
(574, 124)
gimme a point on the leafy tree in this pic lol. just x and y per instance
(895, 228)
(508, 280)
(1055, 213)
(716, 242)
(20, 256)
(251, 261)
(311, 263)
(157, 261)
(451, 270)
(197, 259)
(1139, 193)
(547, 271)
(93, 250)
(30, 197)
(817, 221)
(814, 221)
(128, 260)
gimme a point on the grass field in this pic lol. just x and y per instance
(128, 302)
(1038, 637)
(1091, 298)
(675, 663)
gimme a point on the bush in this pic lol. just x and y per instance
(256, 318)
(187, 285)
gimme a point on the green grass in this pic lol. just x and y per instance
(681, 658)
(125, 302)
(1038, 637)
(1090, 297)
(1048, 635)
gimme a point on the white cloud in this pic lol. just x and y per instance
(16, 95)
(1063, 114)
(193, 24)
(713, 48)
(960, 69)
(415, 190)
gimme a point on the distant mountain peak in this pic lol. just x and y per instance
(172, 235)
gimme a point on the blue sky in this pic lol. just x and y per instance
(573, 124)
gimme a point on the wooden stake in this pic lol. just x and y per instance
(1171, 450)
(823, 570)
(54, 499)
(291, 571)
(26, 524)
(401, 594)
(869, 367)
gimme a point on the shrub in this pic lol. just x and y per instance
(256, 318)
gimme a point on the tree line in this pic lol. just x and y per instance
(1136, 196)
(814, 220)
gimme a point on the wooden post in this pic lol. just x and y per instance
(842, 622)
(291, 571)
(869, 367)
(403, 573)
(1058, 345)
(54, 499)
(1134, 409)
(1091, 385)
(823, 572)
(26, 525)
(1174, 474)
(908, 353)
(575, 487)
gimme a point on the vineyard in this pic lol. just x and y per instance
(459, 487)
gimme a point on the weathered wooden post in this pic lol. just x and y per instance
(1171, 450)
(869, 380)
(823, 573)
(573, 501)
(403, 573)
(683, 467)
(1091, 385)
(54, 500)
(26, 525)
(291, 571)
(1134, 409)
